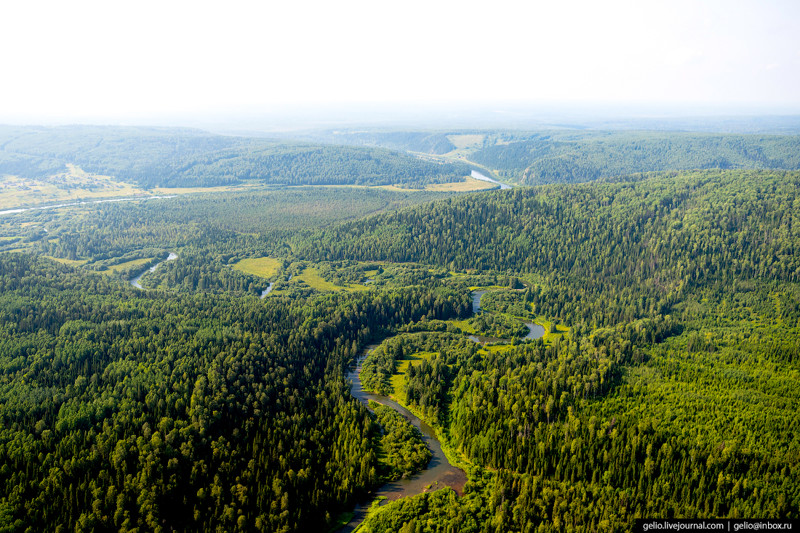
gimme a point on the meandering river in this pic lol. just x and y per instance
(439, 472)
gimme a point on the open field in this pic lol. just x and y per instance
(470, 184)
(264, 267)
(128, 264)
(312, 278)
(464, 326)
(76, 185)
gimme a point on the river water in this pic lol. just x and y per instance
(70, 204)
(535, 331)
(438, 474)
(135, 281)
(476, 301)
(267, 290)
(483, 177)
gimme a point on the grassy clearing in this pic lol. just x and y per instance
(310, 276)
(487, 288)
(499, 348)
(464, 326)
(559, 332)
(469, 184)
(264, 267)
(128, 264)
(399, 376)
(393, 188)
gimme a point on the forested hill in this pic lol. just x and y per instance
(674, 391)
(651, 236)
(572, 157)
(649, 228)
(429, 142)
(578, 155)
(152, 157)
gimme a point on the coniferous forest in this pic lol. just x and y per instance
(214, 395)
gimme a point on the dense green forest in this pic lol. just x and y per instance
(237, 224)
(674, 395)
(151, 157)
(666, 384)
(401, 444)
(631, 236)
(126, 409)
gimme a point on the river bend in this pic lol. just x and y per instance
(438, 474)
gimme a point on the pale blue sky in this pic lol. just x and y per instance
(108, 59)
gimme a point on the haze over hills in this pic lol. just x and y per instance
(185, 158)
(193, 158)
(567, 156)
(294, 118)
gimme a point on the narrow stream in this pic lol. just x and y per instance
(135, 281)
(476, 301)
(438, 474)
(267, 290)
(535, 331)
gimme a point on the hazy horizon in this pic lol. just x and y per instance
(458, 116)
(182, 62)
